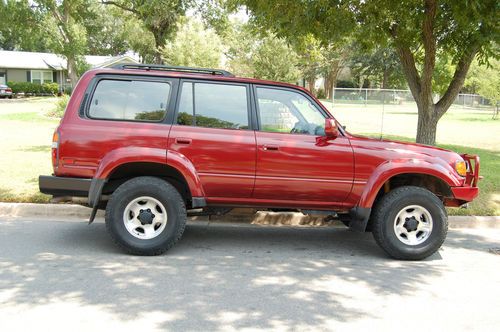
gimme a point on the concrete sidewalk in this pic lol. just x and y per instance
(71, 211)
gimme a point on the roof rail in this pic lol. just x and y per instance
(175, 68)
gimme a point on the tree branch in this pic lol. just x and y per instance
(121, 6)
(407, 61)
(429, 42)
(458, 80)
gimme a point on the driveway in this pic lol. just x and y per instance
(68, 276)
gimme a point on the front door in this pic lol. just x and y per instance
(212, 130)
(2, 78)
(294, 161)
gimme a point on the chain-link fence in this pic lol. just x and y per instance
(385, 113)
(399, 97)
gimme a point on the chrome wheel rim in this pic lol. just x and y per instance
(145, 217)
(413, 225)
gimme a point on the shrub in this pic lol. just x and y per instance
(346, 84)
(34, 88)
(52, 88)
(321, 94)
(60, 107)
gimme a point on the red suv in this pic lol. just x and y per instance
(149, 143)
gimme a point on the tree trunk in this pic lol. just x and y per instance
(160, 42)
(385, 79)
(326, 87)
(310, 84)
(427, 125)
(72, 71)
(330, 83)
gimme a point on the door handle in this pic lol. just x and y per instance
(185, 141)
(270, 148)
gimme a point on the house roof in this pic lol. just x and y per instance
(35, 60)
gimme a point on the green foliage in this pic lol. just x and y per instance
(34, 88)
(485, 80)
(320, 94)
(260, 55)
(150, 116)
(274, 60)
(205, 121)
(379, 65)
(60, 107)
(310, 53)
(107, 32)
(346, 84)
(416, 30)
(18, 24)
(459, 25)
(82, 66)
(158, 17)
(193, 46)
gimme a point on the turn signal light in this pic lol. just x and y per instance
(461, 168)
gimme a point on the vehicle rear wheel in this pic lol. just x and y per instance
(146, 216)
(409, 223)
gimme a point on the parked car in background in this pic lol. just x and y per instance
(5, 91)
(148, 142)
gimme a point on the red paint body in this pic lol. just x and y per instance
(252, 168)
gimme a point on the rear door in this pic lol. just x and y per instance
(212, 129)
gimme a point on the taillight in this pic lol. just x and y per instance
(8, 90)
(55, 149)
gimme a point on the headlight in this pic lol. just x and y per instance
(461, 167)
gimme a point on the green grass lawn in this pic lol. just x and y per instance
(26, 133)
(25, 138)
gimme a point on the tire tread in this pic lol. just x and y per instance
(130, 185)
(385, 204)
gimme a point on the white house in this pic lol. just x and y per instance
(47, 67)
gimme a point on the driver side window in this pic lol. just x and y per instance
(284, 111)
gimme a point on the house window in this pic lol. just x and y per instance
(40, 76)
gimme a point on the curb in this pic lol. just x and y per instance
(247, 216)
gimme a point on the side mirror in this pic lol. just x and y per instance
(331, 130)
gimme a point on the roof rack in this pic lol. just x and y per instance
(176, 68)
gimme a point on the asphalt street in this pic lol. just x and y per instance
(68, 276)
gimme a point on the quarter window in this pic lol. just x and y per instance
(130, 100)
(286, 111)
(213, 106)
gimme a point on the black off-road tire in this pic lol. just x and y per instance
(384, 215)
(159, 189)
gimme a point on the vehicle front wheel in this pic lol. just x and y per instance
(409, 223)
(146, 216)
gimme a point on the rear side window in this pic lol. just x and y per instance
(213, 106)
(130, 100)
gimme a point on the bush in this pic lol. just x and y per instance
(34, 88)
(52, 88)
(60, 107)
(346, 84)
(321, 94)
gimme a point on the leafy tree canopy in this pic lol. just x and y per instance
(193, 46)
(418, 31)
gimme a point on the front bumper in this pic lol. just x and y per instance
(64, 186)
(469, 190)
(465, 194)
